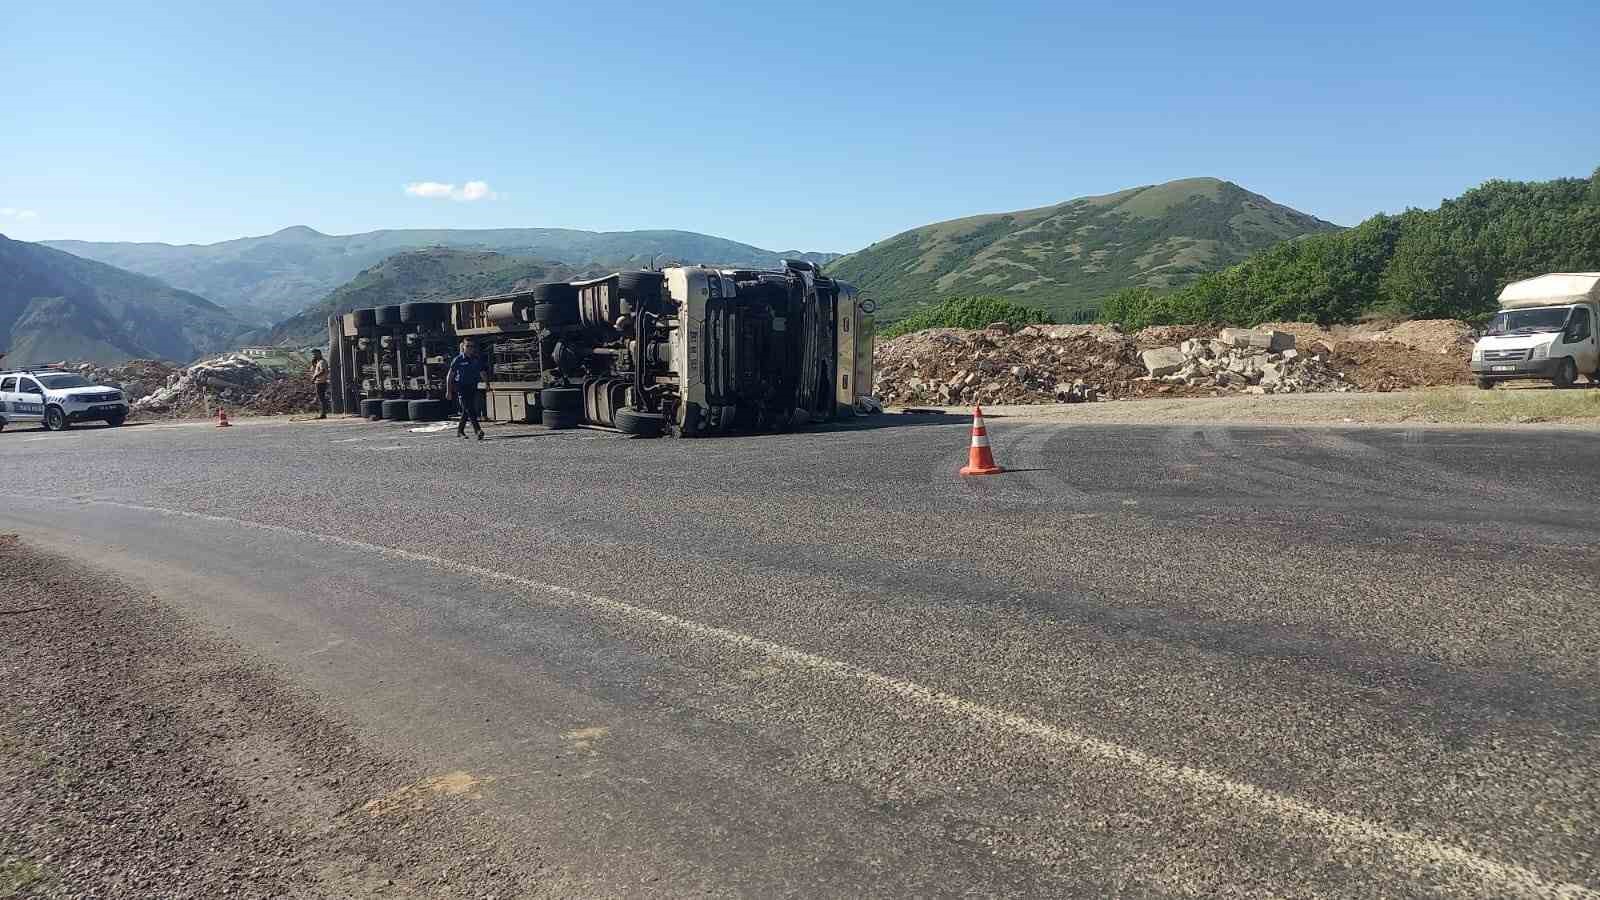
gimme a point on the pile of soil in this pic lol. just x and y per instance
(1072, 363)
(1385, 366)
(235, 382)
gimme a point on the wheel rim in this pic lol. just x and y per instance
(54, 419)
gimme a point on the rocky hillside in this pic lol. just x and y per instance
(1065, 257)
(269, 278)
(54, 306)
(420, 275)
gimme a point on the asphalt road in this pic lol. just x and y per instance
(1153, 661)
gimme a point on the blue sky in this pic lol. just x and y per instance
(820, 127)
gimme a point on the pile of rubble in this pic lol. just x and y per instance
(1034, 364)
(234, 381)
(1079, 363)
(136, 379)
(1249, 361)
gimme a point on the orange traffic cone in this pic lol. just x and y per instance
(980, 459)
(222, 418)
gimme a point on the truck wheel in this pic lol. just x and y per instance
(644, 286)
(372, 409)
(428, 410)
(397, 410)
(1566, 375)
(116, 421)
(555, 304)
(561, 400)
(640, 424)
(367, 318)
(55, 419)
(556, 420)
(388, 315)
(1486, 384)
(422, 313)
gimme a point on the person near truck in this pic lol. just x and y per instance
(461, 385)
(319, 377)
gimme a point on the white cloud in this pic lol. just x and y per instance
(23, 215)
(438, 190)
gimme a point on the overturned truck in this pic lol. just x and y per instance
(686, 351)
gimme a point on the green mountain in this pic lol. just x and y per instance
(421, 275)
(1065, 257)
(56, 306)
(1449, 262)
(266, 279)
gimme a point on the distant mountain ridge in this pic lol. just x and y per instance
(1066, 256)
(55, 306)
(435, 274)
(273, 277)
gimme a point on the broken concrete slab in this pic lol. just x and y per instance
(1162, 360)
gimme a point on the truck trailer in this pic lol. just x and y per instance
(683, 351)
(1545, 329)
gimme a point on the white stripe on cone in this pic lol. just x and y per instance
(980, 440)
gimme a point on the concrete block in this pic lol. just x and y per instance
(1272, 341)
(1162, 360)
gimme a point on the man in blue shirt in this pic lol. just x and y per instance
(461, 385)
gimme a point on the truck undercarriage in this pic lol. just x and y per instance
(684, 351)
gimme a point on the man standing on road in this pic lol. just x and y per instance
(461, 385)
(319, 377)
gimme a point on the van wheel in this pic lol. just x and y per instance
(55, 419)
(1486, 384)
(1566, 375)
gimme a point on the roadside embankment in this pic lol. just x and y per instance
(139, 758)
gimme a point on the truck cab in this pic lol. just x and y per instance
(1547, 328)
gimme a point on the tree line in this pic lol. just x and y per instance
(1449, 262)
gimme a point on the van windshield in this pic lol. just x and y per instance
(57, 382)
(1530, 321)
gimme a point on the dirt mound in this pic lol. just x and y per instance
(234, 381)
(1170, 335)
(1374, 365)
(1073, 363)
(1443, 336)
(1036, 364)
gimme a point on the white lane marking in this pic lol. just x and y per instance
(1406, 846)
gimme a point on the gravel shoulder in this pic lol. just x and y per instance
(140, 756)
(1513, 405)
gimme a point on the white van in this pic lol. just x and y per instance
(1546, 328)
(58, 399)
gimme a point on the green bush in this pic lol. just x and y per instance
(967, 312)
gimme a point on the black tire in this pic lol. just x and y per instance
(372, 409)
(640, 424)
(2, 424)
(55, 419)
(116, 421)
(552, 419)
(366, 318)
(561, 400)
(422, 313)
(555, 304)
(388, 315)
(1486, 384)
(642, 286)
(397, 410)
(1566, 375)
(428, 410)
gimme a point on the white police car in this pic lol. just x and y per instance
(58, 399)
